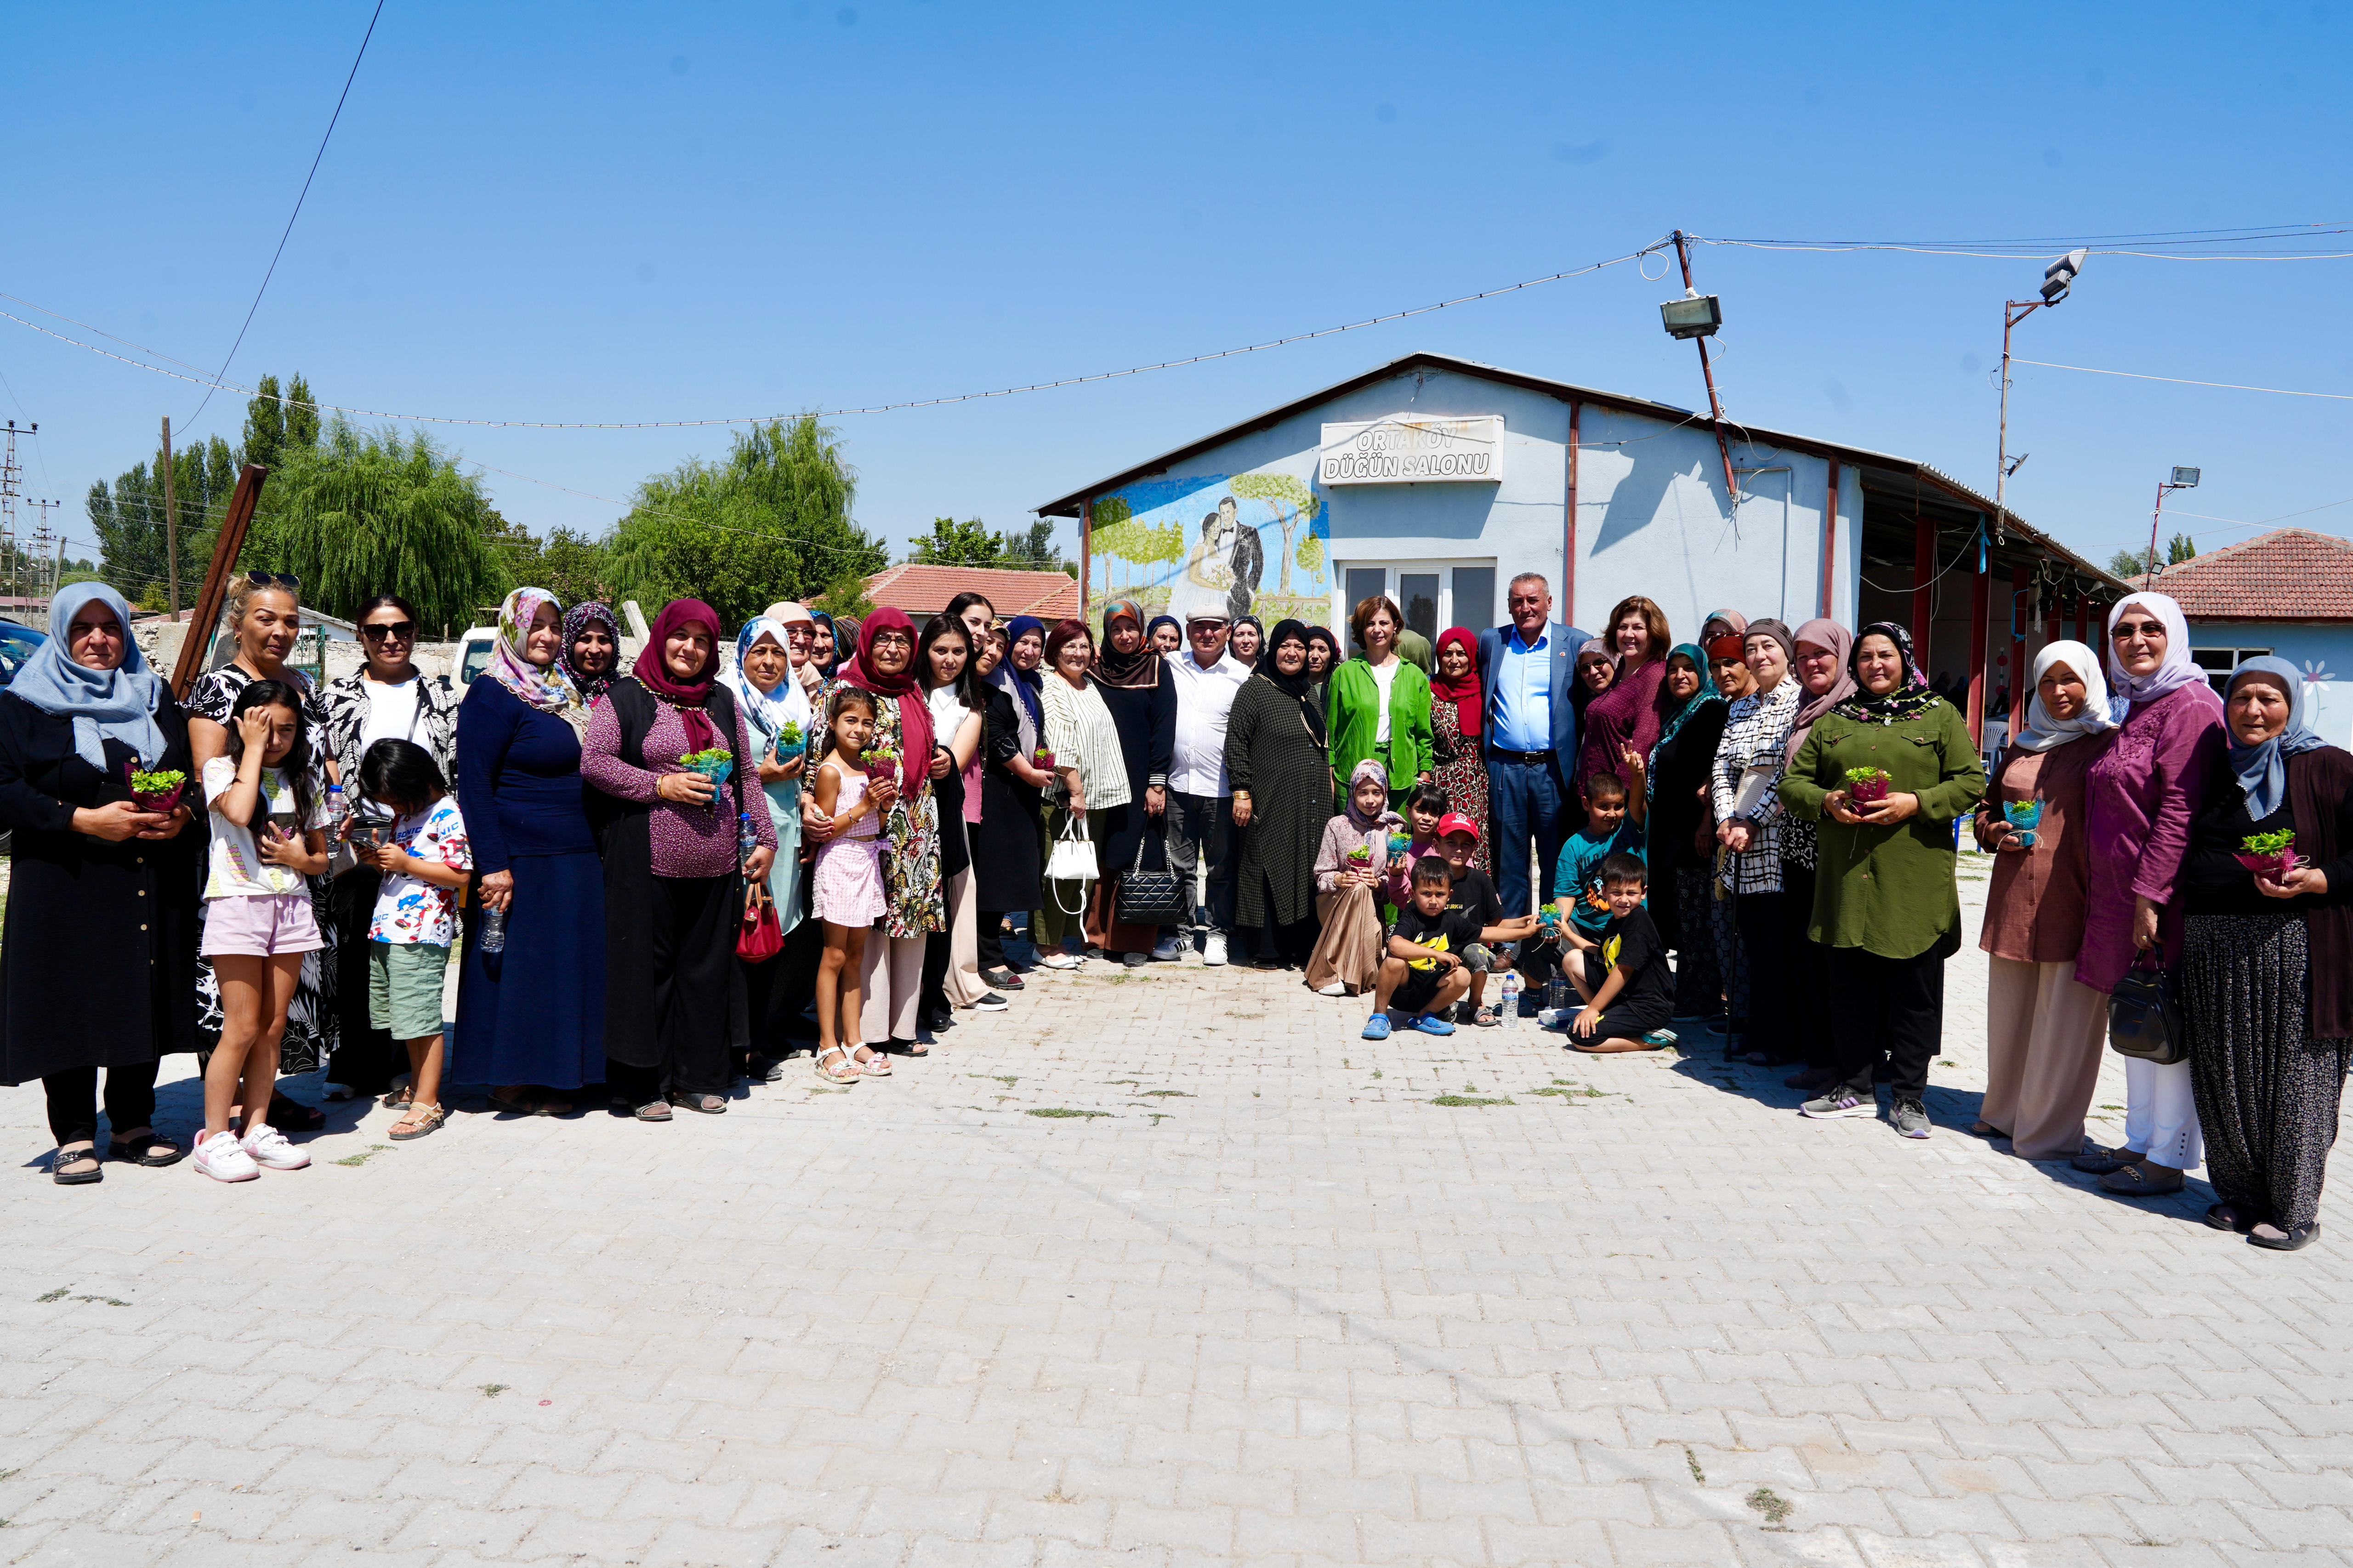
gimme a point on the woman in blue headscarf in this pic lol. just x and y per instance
(98, 960)
(779, 719)
(1668, 798)
(2266, 972)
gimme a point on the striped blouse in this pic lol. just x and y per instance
(1757, 731)
(1080, 732)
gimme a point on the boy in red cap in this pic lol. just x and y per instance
(1475, 895)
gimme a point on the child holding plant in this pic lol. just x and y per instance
(424, 863)
(1349, 878)
(849, 879)
(1576, 887)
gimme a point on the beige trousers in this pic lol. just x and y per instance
(2044, 1034)
(892, 978)
(1349, 950)
(962, 983)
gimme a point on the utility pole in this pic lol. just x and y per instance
(10, 472)
(171, 520)
(2058, 279)
(44, 584)
(1707, 373)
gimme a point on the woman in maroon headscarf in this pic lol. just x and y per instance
(892, 973)
(674, 878)
(1455, 701)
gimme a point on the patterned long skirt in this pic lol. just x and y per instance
(1699, 978)
(2267, 1094)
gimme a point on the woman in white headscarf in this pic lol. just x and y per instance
(771, 650)
(2140, 799)
(2045, 1028)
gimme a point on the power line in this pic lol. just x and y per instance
(2185, 381)
(822, 413)
(298, 199)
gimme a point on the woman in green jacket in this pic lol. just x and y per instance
(1885, 901)
(1379, 704)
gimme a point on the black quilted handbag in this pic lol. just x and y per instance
(1151, 898)
(2144, 1018)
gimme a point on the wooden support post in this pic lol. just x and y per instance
(1924, 594)
(1980, 591)
(1086, 552)
(1830, 545)
(2021, 615)
(199, 634)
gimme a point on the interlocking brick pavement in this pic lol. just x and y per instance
(1265, 1302)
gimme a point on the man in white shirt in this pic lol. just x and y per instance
(1200, 801)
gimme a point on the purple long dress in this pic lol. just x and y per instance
(2142, 797)
(1626, 716)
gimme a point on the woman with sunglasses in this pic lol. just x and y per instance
(264, 616)
(385, 700)
(2140, 800)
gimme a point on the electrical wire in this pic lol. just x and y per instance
(2184, 380)
(823, 413)
(288, 230)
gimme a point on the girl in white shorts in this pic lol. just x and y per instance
(267, 837)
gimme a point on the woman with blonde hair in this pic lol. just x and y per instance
(1630, 715)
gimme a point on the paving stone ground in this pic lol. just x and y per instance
(1249, 1296)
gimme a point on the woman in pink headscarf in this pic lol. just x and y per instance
(673, 877)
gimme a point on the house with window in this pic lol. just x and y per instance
(1435, 480)
(2289, 593)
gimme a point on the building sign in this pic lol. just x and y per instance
(1409, 451)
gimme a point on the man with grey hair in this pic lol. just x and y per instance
(1527, 672)
(1200, 799)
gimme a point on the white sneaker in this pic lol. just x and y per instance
(1213, 950)
(267, 1146)
(1334, 989)
(223, 1158)
(1062, 960)
(1168, 950)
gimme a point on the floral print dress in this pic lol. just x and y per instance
(910, 839)
(1463, 776)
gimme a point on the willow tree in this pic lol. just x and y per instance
(369, 513)
(770, 521)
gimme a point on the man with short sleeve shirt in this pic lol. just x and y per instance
(1200, 798)
(1526, 670)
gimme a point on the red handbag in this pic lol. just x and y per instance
(759, 938)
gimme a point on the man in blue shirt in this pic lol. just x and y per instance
(1525, 670)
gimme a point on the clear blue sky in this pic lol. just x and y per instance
(603, 211)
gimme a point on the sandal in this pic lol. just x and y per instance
(846, 1073)
(65, 1178)
(1485, 1018)
(709, 1104)
(652, 1110)
(874, 1064)
(421, 1120)
(401, 1098)
(2230, 1216)
(293, 1116)
(146, 1150)
(2288, 1239)
(910, 1048)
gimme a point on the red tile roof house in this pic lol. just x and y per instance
(924, 591)
(2289, 593)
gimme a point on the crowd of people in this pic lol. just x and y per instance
(656, 882)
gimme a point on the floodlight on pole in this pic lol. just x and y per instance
(1696, 316)
(2058, 279)
(2182, 479)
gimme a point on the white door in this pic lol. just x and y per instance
(1434, 594)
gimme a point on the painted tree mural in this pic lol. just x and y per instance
(1292, 503)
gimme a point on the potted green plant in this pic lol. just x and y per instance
(2269, 854)
(1866, 787)
(158, 792)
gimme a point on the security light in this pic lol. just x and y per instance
(2185, 479)
(2060, 276)
(1693, 316)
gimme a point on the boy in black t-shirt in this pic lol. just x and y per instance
(1629, 989)
(1475, 895)
(1424, 970)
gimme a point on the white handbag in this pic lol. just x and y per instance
(1073, 860)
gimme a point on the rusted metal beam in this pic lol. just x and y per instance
(199, 635)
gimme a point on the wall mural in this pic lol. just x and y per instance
(1248, 544)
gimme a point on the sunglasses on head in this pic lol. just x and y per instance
(376, 631)
(273, 579)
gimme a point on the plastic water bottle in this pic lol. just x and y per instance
(338, 808)
(746, 839)
(494, 930)
(1510, 1007)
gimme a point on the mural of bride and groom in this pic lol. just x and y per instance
(1162, 546)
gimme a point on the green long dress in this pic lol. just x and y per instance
(1273, 754)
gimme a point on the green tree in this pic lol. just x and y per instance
(302, 414)
(1290, 500)
(1310, 555)
(2129, 563)
(264, 424)
(770, 521)
(361, 513)
(2180, 548)
(953, 544)
(1033, 549)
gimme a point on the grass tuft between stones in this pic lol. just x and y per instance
(1057, 1112)
(1470, 1100)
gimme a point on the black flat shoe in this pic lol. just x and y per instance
(708, 1104)
(2293, 1239)
(2230, 1216)
(65, 1178)
(151, 1151)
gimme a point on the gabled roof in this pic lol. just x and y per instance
(922, 590)
(1881, 466)
(2290, 574)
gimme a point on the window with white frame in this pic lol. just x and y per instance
(2218, 662)
(1434, 594)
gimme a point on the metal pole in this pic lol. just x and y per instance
(1980, 592)
(2148, 567)
(1830, 543)
(1714, 405)
(1568, 533)
(1086, 552)
(171, 520)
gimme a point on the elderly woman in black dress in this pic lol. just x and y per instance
(98, 961)
(1278, 755)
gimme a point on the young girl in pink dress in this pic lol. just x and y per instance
(847, 884)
